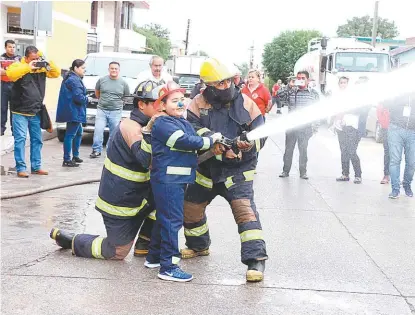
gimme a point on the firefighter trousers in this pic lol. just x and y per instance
(119, 240)
(240, 196)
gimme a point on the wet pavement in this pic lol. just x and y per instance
(334, 248)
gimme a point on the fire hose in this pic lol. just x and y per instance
(41, 189)
(229, 144)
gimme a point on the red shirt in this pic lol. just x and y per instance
(275, 89)
(260, 96)
(383, 116)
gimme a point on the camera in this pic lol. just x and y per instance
(41, 64)
(299, 83)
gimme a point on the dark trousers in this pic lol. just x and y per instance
(349, 139)
(386, 158)
(72, 141)
(121, 233)
(6, 90)
(276, 100)
(291, 138)
(164, 244)
(240, 195)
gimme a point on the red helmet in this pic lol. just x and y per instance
(165, 90)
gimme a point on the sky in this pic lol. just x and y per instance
(225, 29)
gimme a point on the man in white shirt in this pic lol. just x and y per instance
(155, 73)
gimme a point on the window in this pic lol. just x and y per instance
(127, 15)
(362, 62)
(13, 24)
(94, 13)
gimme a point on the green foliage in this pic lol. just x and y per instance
(281, 54)
(269, 83)
(362, 26)
(244, 68)
(156, 43)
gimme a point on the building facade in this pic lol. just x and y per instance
(101, 34)
(65, 42)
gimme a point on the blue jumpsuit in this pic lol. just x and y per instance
(229, 178)
(174, 162)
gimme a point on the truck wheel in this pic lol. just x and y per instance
(61, 135)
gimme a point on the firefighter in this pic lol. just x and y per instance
(222, 108)
(124, 197)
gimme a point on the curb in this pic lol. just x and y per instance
(45, 137)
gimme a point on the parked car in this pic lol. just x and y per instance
(188, 82)
(97, 66)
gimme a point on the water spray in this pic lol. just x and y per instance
(382, 88)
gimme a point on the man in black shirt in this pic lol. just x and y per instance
(6, 85)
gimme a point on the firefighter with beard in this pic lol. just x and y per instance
(124, 197)
(222, 108)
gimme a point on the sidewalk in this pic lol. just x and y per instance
(51, 161)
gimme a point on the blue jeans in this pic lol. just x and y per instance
(73, 138)
(164, 244)
(399, 140)
(20, 125)
(110, 118)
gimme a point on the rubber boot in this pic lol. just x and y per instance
(63, 239)
(141, 247)
(255, 271)
(188, 253)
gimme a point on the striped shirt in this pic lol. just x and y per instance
(297, 98)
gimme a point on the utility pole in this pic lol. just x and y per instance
(35, 22)
(251, 56)
(375, 24)
(118, 5)
(187, 37)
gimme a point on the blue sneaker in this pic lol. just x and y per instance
(394, 194)
(408, 191)
(151, 265)
(175, 274)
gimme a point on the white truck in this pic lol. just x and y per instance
(186, 69)
(328, 59)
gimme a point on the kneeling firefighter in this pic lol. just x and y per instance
(222, 108)
(124, 198)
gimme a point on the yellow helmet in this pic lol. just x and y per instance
(214, 71)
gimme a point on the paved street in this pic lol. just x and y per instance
(334, 248)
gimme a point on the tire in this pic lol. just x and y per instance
(378, 134)
(61, 135)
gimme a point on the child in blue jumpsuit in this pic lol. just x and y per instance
(174, 146)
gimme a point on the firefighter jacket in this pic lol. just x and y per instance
(241, 114)
(124, 189)
(29, 86)
(174, 147)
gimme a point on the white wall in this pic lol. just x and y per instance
(129, 40)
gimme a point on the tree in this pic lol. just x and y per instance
(200, 52)
(362, 26)
(244, 68)
(281, 54)
(157, 30)
(156, 44)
